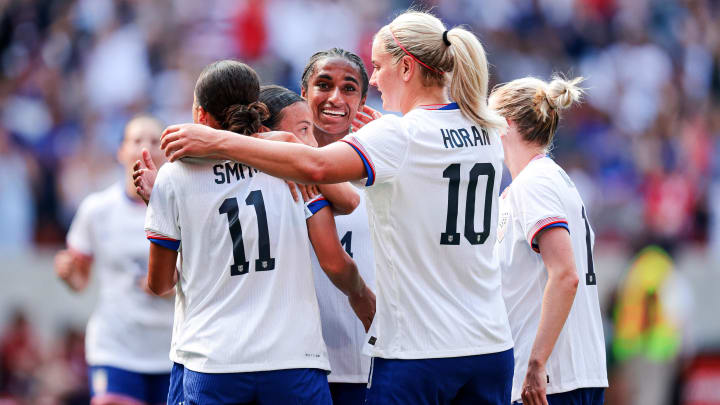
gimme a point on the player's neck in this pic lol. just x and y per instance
(518, 159)
(323, 138)
(424, 96)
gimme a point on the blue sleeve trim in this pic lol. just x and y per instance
(317, 205)
(535, 246)
(368, 167)
(168, 244)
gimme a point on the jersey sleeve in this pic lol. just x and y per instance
(539, 207)
(161, 220)
(316, 204)
(80, 236)
(382, 145)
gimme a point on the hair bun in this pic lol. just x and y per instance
(562, 93)
(245, 119)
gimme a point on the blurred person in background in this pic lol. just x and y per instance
(652, 334)
(128, 335)
(20, 358)
(545, 246)
(17, 210)
(63, 374)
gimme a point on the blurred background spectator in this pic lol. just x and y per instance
(644, 149)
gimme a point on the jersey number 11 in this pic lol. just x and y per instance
(240, 264)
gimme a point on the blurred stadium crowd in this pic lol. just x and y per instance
(643, 148)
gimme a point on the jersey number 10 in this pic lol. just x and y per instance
(451, 235)
(240, 264)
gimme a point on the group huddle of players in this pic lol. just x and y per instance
(416, 283)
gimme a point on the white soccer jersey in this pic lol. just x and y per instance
(245, 295)
(129, 328)
(432, 192)
(343, 332)
(543, 196)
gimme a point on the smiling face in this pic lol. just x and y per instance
(386, 76)
(334, 94)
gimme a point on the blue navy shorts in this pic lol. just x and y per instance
(479, 380)
(112, 384)
(348, 393)
(301, 386)
(580, 396)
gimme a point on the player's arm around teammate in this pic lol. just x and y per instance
(290, 113)
(545, 240)
(342, 197)
(428, 320)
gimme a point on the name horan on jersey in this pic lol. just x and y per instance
(225, 172)
(461, 137)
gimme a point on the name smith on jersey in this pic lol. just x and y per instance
(225, 172)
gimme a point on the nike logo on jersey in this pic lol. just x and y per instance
(461, 137)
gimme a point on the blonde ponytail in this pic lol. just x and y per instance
(469, 81)
(462, 63)
(534, 106)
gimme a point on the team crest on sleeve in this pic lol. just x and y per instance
(502, 224)
(504, 215)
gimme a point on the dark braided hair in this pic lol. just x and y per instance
(336, 52)
(277, 98)
(228, 90)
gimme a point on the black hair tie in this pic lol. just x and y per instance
(445, 38)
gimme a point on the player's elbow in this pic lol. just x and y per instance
(335, 266)
(569, 280)
(347, 206)
(564, 279)
(314, 169)
(157, 287)
(314, 174)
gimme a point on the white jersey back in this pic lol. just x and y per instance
(129, 328)
(432, 192)
(543, 196)
(343, 333)
(245, 295)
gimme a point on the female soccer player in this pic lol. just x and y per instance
(441, 332)
(545, 247)
(245, 330)
(290, 113)
(334, 80)
(128, 335)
